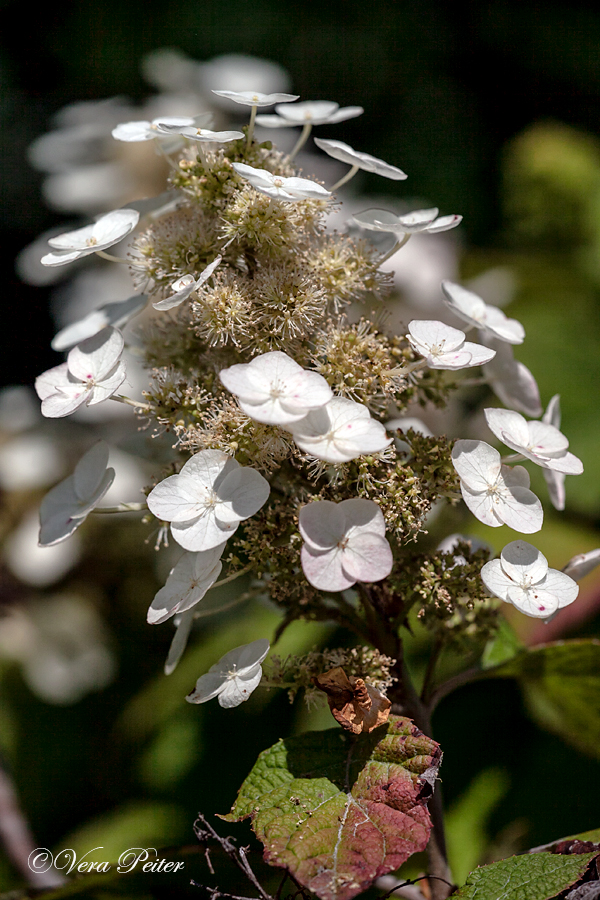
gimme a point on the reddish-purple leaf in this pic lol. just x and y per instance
(337, 810)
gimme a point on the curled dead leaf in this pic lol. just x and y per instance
(355, 705)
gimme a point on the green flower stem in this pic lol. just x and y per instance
(350, 174)
(250, 134)
(306, 130)
(434, 656)
(122, 507)
(397, 246)
(137, 404)
(234, 575)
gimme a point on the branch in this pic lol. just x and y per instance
(203, 832)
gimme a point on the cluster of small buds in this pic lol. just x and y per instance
(256, 366)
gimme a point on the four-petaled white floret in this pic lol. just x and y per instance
(234, 677)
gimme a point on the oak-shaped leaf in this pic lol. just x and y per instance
(337, 810)
(533, 876)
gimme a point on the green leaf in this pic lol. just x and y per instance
(339, 811)
(467, 818)
(561, 684)
(534, 876)
(504, 646)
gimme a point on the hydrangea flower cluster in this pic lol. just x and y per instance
(285, 470)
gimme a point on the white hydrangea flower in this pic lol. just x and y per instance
(274, 389)
(150, 131)
(106, 231)
(114, 314)
(346, 154)
(280, 188)
(512, 382)
(339, 431)
(185, 286)
(425, 220)
(582, 564)
(66, 506)
(208, 499)
(256, 98)
(344, 543)
(92, 373)
(521, 576)
(444, 347)
(202, 135)
(496, 494)
(538, 441)
(472, 309)
(188, 582)
(555, 481)
(314, 112)
(234, 677)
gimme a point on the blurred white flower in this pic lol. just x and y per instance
(115, 314)
(66, 506)
(538, 441)
(344, 543)
(202, 135)
(234, 677)
(62, 646)
(19, 408)
(235, 71)
(472, 309)
(29, 461)
(274, 389)
(35, 565)
(512, 382)
(92, 373)
(521, 576)
(496, 494)
(208, 499)
(106, 231)
(339, 432)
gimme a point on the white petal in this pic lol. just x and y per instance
(443, 223)
(506, 423)
(115, 314)
(523, 562)
(476, 463)
(179, 642)
(187, 584)
(202, 533)
(563, 586)
(520, 509)
(431, 333)
(367, 557)
(464, 303)
(242, 493)
(236, 690)
(481, 505)
(322, 524)
(308, 111)
(496, 580)
(134, 131)
(207, 687)
(480, 355)
(361, 514)
(555, 482)
(90, 470)
(323, 569)
(209, 467)
(582, 564)
(344, 153)
(535, 602)
(63, 404)
(552, 414)
(94, 358)
(176, 499)
(107, 387)
(256, 98)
